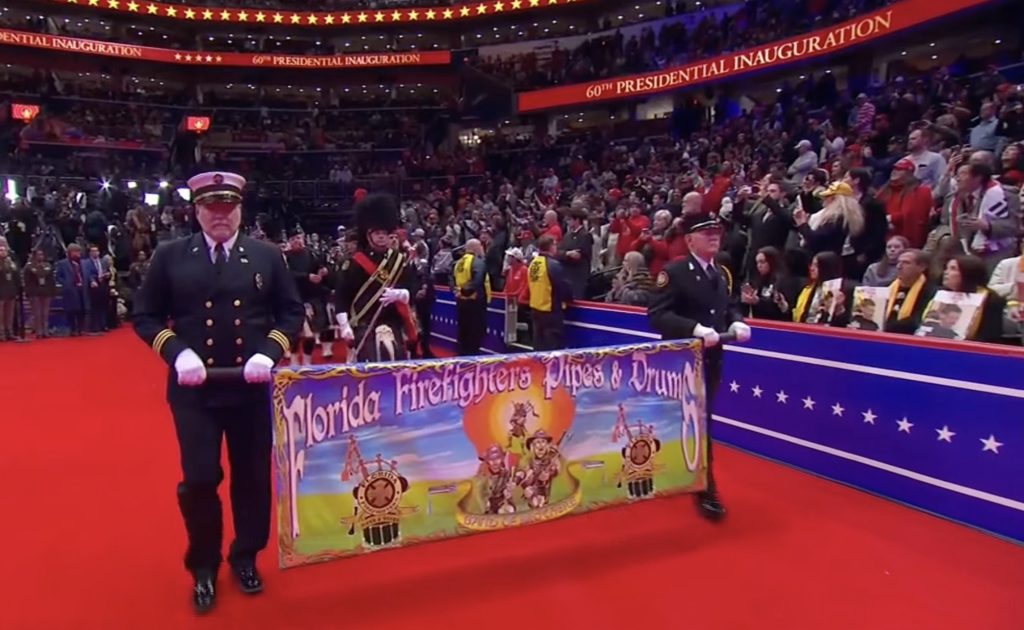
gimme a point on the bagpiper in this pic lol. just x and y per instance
(372, 297)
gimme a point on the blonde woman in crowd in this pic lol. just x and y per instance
(830, 229)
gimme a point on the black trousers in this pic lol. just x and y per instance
(423, 315)
(712, 378)
(248, 430)
(76, 322)
(471, 316)
(548, 331)
(98, 305)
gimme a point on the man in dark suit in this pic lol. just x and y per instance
(220, 299)
(97, 280)
(73, 289)
(692, 300)
(575, 250)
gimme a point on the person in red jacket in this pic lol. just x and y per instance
(515, 275)
(908, 203)
(665, 241)
(629, 228)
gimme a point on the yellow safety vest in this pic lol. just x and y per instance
(464, 273)
(540, 285)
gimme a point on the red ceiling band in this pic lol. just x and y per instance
(227, 59)
(870, 26)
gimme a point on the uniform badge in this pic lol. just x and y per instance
(662, 280)
(218, 179)
(258, 279)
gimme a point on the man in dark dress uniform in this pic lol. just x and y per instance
(692, 300)
(220, 299)
(372, 298)
(310, 275)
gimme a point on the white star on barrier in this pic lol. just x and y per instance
(991, 444)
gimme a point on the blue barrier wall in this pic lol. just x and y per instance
(935, 424)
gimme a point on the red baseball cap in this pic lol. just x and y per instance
(904, 165)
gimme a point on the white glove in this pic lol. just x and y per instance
(741, 330)
(394, 295)
(344, 329)
(190, 368)
(257, 369)
(708, 335)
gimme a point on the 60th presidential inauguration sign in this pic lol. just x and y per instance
(381, 455)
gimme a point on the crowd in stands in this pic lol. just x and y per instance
(915, 186)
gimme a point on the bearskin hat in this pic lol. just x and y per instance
(376, 212)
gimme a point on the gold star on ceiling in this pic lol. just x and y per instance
(413, 15)
(113, 4)
(430, 14)
(151, 9)
(463, 11)
(447, 14)
(534, 3)
(190, 14)
(177, 56)
(242, 16)
(346, 18)
(278, 18)
(172, 12)
(261, 17)
(396, 15)
(295, 18)
(362, 17)
(209, 58)
(377, 17)
(481, 9)
(219, 58)
(517, 4)
(225, 15)
(207, 14)
(312, 18)
(93, 3)
(133, 6)
(329, 19)
(188, 57)
(499, 6)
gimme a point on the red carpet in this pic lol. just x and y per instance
(93, 540)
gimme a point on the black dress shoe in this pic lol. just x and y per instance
(248, 578)
(204, 592)
(710, 506)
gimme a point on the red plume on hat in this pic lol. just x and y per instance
(359, 194)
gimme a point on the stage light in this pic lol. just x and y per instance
(185, 194)
(132, 185)
(163, 183)
(105, 185)
(151, 199)
(12, 191)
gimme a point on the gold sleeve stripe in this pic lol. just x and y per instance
(281, 339)
(162, 338)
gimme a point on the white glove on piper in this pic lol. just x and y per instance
(343, 328)
(394, 295)
(190, 368)
(257, 369)
(708, 335)
(741, 330)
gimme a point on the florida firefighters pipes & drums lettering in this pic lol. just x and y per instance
(379, 455)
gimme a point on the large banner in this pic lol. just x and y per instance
(897, 17)
(383, 455)
(230, 59)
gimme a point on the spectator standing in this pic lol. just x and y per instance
(74, 292)
(10, 292)
(908, 204)
(869, 246)
(574, 252)
(768, 222)
(769, 288)
(831, 229)
(805, 162)
(40, 288)
(882, 272)
(97, 278)
(633, 284)
(549, 293)
(983, 135)
(928, 166)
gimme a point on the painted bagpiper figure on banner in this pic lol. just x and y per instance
(213, 300)
(373, 295)
(310, 275)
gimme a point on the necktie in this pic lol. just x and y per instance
(220, 256)
(713, 276)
